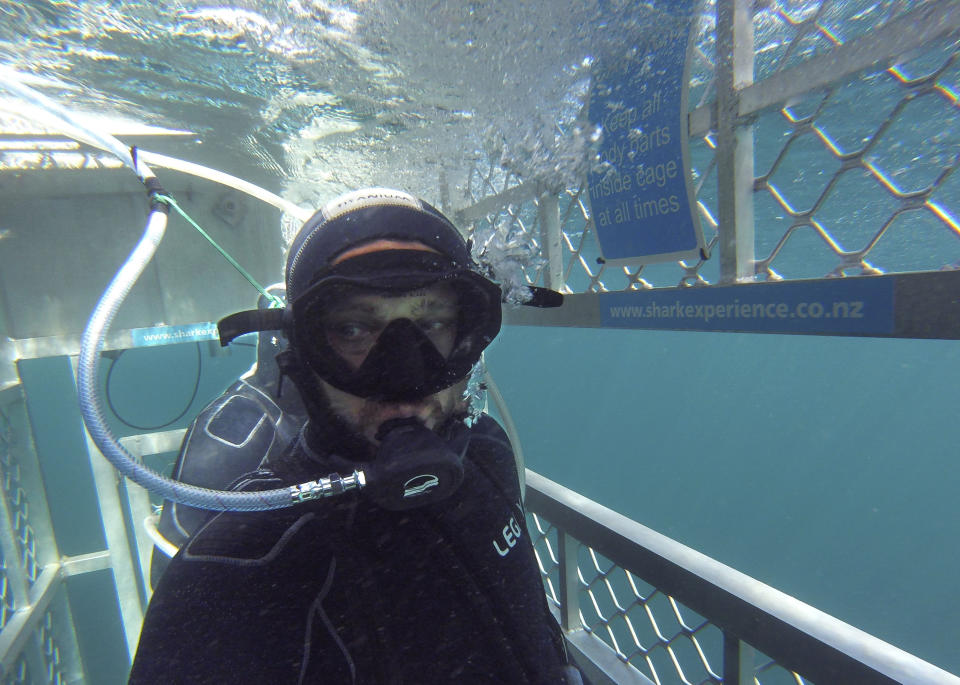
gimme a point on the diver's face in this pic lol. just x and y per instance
(352, 327)
(353, 324)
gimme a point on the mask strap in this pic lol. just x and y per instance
(250, 321)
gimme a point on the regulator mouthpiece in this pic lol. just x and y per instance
(414, 466)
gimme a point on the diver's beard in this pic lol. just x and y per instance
(364, 416)
(328, 432)
(347, 425)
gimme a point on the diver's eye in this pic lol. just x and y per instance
(351, 338)
(429, 326)
(349, 331)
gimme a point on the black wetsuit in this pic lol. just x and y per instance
(231, 437)
(342, 591)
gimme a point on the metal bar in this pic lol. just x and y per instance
(142, 444)
(85, 563)
(931, 21)
(798, 636)
(921, 306)
(114, 528)
(548, 209)
(9, 377)
(737, 661)
(597, 660)
(910, 32)
(14, 636)
(130, 139)
(702, 120)
(734, 141)
(494, 203)
(65, 635)
(569, 582)
(140, 509)
(138, 499)
(444, 186)
(69, 345)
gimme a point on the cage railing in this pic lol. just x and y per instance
(37, 644)
(728, 131)
(581, 545)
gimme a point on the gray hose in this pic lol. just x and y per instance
(91, 405)
(91, 345)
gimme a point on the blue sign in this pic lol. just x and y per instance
(640, 197)
(168, 335)
(843, 306)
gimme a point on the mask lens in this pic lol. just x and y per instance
(352, 321)
(406, 339)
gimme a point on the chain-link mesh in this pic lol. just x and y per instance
(509, 236)
(19, 674)
(790, 31)
(864, 179)
(7, 605)
(17, 503)
(857, 179)
(27, 569)
(51, 652)
(646, 628)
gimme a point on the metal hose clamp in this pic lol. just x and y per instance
(332, 485)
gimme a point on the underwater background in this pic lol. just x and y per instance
(823, 466)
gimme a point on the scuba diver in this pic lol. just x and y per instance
(425, 574)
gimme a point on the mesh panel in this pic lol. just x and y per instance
(51, 652)
(647, 629)
(17, 502)
(508, 238)
(857, 179)
(486, 179)
(789, 32)
(19, 674)
(44, 664)
(860, 184)
(6, 595)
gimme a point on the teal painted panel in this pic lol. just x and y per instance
(96, 616)
(61, 450)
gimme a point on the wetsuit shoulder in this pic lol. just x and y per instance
(229, 438)
(491, 452)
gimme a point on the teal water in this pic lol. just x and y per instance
(822, 466)
(825, 467)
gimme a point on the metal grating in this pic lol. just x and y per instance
(19, 674)
(7, 604)
(855, 179)
(17, 503)
(50, 648)
(507, 235)
(864, 180)
(30, 653)
(52, 660)
(646, 628)
(791, 32)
